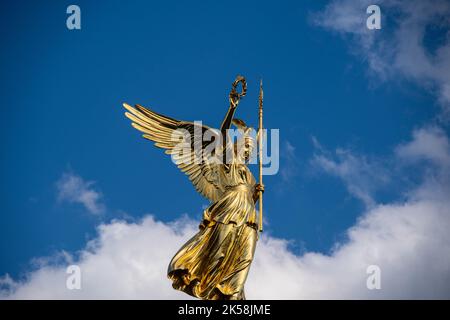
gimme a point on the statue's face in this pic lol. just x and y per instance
(244, 147)
(248, 148)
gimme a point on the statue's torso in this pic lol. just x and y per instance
(236, 204)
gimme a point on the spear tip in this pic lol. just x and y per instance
(261, 93)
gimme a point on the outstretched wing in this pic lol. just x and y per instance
(183, 142)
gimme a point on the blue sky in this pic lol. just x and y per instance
(62, 93)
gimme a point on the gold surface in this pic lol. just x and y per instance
(260, 154)
(215, 262)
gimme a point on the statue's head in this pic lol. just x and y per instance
(244, 146)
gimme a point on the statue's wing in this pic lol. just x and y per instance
(181, 141)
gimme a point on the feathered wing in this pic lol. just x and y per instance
(180, 141)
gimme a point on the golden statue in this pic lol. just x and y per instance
(213, 264)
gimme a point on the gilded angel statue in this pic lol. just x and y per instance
(215, 262)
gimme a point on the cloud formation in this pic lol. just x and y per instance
(405, 47)
(361, 176)
(428, 144)
(74, 189)
(125, 261)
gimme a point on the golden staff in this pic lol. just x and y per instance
(260, 145)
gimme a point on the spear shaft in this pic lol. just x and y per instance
(260, 145)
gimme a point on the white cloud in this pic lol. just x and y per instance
(74, 189)
(361, 176)
(431, 146)
(428, 144)
(125, 261)
(398, 49)
(408, 241)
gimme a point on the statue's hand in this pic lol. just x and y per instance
(259, 187)
(235, 96)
